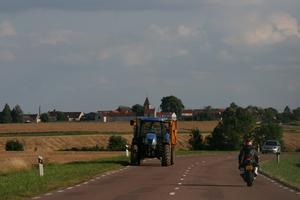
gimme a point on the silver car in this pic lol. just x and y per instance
(272, 146)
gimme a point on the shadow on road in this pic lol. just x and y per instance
(213, 185)
(120, 162)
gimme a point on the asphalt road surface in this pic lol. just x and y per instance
(213, 177)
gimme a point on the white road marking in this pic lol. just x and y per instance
(85, 183)
(182, 179)
(292, 190)
(272, 181)
(69, 188)
(92, 180)
(103, 175)
(78, 185)
(298, 193)
(203, 161)
(177, 188)
(60, 191)
(48, 194)
(98, 177)
(172, 193)
(285, 188)
(36, 197)
(189, 167)
(184, 175)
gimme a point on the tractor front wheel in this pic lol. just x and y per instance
(134, 156)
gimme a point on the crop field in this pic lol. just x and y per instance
(47, 139)
(118, 127)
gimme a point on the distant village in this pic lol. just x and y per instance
(122, 113)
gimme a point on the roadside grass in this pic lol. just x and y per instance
(287, 171)
(27, 183)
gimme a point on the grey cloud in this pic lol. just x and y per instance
(94, 5)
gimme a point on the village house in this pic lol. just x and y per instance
(69, 116)
(73, 116)
(31, 118)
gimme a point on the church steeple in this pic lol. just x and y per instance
(147, 103)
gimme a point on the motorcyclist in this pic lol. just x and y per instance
(248, 150)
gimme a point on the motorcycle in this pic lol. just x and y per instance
(248, 171)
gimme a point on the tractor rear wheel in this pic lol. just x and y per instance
(166, 155)
(172, 155)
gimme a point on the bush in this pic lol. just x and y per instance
(196, 140)
(92, 148)
(14, 145)
(116, 143)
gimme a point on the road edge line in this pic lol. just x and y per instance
(279, 181)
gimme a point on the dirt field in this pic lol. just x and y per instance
(120, 127)
(291, 141)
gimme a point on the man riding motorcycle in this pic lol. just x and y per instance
(248, 151)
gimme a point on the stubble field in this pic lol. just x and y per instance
(117, 127)
(58, 136)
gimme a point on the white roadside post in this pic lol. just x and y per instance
(41, 165)
(127, 152)
(278, 157)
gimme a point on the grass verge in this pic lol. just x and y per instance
(287, 171)
(26, 184)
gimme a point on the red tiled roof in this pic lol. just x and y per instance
(116, 114)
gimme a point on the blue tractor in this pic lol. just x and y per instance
(153, 138)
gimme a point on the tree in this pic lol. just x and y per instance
(6, 114)
(60, 116)
(138, 109)
(44, 117)
(172, 104)
(286, 116)
(268, 131)
(237, 124)
(17, 114)
(269, 115)
(296, 114)
(196, 140)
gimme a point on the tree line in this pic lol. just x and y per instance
(11, 116)
(240, 123)
(168, 104)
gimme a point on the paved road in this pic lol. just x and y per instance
(197, 177)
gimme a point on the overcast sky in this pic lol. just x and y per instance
(88, 55)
